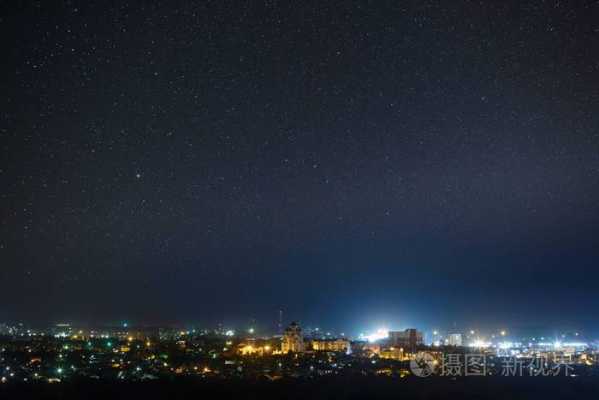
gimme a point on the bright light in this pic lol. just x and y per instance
(378, 335)
(251, 330)
(506, 345)
(503, 333)
(480, 344)
(230, 333)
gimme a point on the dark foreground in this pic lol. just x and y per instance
(324, 388)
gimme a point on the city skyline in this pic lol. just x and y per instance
(369, 332)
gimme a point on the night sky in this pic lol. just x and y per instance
(425, 163)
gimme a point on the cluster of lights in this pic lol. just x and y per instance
(480, 344)
(378, 335)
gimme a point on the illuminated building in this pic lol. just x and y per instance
(331, 345)
(63, 330)
(292, 339)
(368, 349)
(455, 339)
(392, 353)
(254, 347)
(409, 338)
(248, 350)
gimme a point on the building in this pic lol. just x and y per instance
(253, 347)
(293, 342)
(366, 349)
(410, 338)
(455, 339)
(331, 345)
(392, 353)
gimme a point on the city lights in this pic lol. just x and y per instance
(381, 333)
(222, 353)
(481, 344)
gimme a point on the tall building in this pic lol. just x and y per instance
(292, 339)
(455, 339)
(409, 339)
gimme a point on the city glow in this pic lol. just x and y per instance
(557, 344)
(382, 333)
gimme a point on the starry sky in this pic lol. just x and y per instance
(412, 163)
